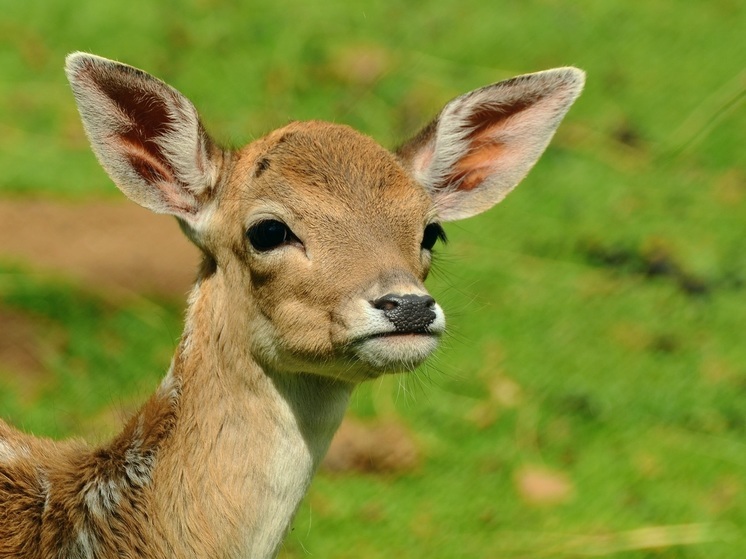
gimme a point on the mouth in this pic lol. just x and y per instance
(396, 334)
(395, 351)
(381, 343)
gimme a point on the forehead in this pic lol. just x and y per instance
(332, 168)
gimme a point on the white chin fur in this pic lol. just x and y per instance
(396, 353)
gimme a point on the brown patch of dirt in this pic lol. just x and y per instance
(372, 448)
(24, 342)
(19, 342)
(104, 244)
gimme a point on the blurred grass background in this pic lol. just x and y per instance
(591, 400)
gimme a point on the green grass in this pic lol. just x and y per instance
(607, 292)
(101, 358)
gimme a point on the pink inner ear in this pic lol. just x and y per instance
(485, 119)
(158, 174)
(145, 164)
(474, 168)
(146, 109)
(485, 151)
(147, 118)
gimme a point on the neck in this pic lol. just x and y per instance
(245, 441)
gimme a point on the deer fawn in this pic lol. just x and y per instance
(316, 242)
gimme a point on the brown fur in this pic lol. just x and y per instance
(54, 494)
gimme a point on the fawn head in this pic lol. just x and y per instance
(320, 238)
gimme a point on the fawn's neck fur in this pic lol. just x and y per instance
(258, 447)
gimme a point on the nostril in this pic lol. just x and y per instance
(387, 302)
(428, 301)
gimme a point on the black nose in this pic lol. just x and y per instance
(408, 313)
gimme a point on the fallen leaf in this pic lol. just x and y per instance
(540, 486)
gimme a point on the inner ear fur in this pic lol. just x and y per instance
(483, 143)
(146, 135)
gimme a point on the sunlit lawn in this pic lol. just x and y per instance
(591, 398)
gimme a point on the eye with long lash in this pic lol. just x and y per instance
(433, 233)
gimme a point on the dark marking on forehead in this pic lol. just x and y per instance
(261, 166)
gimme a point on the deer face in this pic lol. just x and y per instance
(332, 238)
(319, 238)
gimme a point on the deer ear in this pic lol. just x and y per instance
(146, 135)
(483, 143)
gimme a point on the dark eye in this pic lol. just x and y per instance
(433, 232)
(269, 234)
